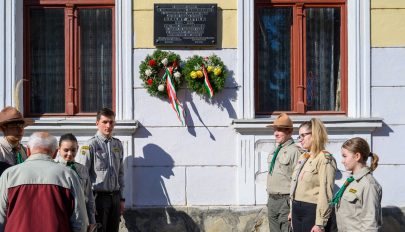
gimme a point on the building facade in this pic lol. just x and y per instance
(339, 60)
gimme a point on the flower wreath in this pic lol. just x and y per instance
(153, 72)
(205, 75)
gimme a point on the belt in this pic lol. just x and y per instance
(278, 196)
(105, 193)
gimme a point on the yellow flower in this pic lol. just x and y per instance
(193, 74)
(210, 68)
(199, 74)
(217, 71)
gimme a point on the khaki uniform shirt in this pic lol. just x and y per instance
(8, 155)
(104, 159)
(279, 182)
(360, 206)
(313, 181)
(86, 186)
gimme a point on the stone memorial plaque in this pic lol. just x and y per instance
(185, 24)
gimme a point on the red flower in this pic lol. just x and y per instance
(152, 62)
(175, 65)
(149, 81)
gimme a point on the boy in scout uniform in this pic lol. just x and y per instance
(281, 165)
(103, 156)
(358, 201)
(12, 124)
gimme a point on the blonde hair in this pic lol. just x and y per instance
(360, 145)
(319, 135)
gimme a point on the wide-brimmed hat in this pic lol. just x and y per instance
(10, 114)
(282, 121)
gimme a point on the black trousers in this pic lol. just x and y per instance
(108, 210)
(304, 216)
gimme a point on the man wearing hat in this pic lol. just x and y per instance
(12, 124)
(281, 166)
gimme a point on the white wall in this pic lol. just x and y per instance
(388, 92)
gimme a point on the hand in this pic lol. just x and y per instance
(91, 227)
(317, 229)
(289, 217)
(122, 207)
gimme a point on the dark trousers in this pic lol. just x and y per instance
(304, 216)
(278, 209)
(108, 210)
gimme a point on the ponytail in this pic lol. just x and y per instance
(374, 161)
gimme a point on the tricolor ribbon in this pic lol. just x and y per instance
(207, 83)
(171, 92)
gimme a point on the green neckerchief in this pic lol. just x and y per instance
(339, 194)
(71, 164)
(18, 155)
(273, 161)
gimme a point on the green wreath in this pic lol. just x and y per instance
(152, 71)
(205, 75)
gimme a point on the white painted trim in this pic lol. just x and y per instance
(124, 71)
(358, 31)
(334, 125)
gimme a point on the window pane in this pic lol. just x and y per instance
(323, 27)
(47, 57)
(95, 58)
(274, 59)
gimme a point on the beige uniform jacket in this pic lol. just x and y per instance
(6, 152)
(360, 206)
(313, 182)
(279, 182)
(83, 174)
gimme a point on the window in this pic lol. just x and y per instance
(69, 57)
(300, 57)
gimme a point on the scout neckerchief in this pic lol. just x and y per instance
(273, 161)
(71, 164)
(339, 194)
(18, 156)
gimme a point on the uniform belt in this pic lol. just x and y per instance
(105, 193)
(279, 195)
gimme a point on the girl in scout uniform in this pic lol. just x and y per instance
(358, 201)
(313, 180)
(67, 152)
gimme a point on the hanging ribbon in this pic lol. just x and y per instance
(207, 83)
(171, 92)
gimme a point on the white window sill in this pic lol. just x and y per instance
(80, 126)
(334, 124)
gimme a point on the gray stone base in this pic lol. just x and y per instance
(221, 219)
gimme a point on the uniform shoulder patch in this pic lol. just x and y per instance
(85, 150)
(353, 190)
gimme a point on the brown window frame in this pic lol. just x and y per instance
(298, 54)
(72, 53)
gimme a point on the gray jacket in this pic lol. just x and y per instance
(104, 159)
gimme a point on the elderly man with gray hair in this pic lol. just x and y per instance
(40, 194)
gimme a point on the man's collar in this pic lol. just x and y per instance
(287, 143)
(6, 144)
(102, 137)
(39, 156)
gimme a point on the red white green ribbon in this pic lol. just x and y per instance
(207, 83)
(171, 92)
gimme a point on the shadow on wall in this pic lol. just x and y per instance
(393, 219)
(155, 210)
(223, 100)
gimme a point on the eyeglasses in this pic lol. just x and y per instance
(302, 136)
